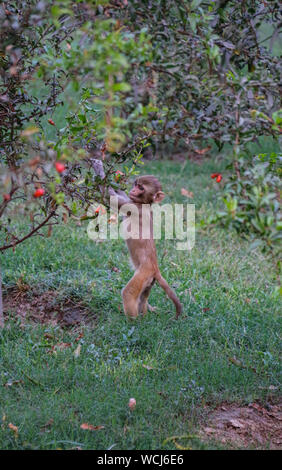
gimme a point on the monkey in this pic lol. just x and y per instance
(146, 190)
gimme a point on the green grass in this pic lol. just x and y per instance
(230, 311)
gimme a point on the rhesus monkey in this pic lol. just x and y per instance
(146, 190)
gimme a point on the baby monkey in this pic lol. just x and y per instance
(146, 190)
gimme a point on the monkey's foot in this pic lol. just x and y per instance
(131, 317)
(152, 309)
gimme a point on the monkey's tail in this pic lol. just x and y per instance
(170, 293)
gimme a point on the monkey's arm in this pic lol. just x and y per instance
(120, 195)
(98, 168)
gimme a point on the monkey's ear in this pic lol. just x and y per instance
(159, 196)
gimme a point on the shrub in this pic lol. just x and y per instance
(251, 200)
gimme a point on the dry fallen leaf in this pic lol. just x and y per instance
(186, 193)
(125, 429)
(77, 351)
(147, 367)
(202, 151)
(15, 429)
(90, 427)
(236, 362)
(209, 430)
(79, 336)
(58, 347)
(235, 423)
(272, 387)
(47, 425)
(115, 269)
(239, 363)
(61, 346)
(13, 382)
(48, 336)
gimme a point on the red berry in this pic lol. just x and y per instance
(214, 175)
(6, 197)
(39, 192)
(51, 122)
(100, 209)
(219, 178)
(60, 167)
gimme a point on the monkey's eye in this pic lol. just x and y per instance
(140, 187)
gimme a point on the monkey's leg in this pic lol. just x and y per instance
(170, 293)
(131, 293)
(143, 299)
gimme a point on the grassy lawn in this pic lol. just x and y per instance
(225, 347)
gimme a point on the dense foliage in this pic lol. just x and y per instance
(80, 79)
(212, 72)
(251, 199)
(63, 99)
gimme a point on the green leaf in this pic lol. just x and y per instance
(277, 117)
(121, 87)
(195, 4)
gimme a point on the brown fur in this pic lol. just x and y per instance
(147, 190)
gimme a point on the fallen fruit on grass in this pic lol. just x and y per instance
(14, 428)
(132, 403)
(90, 427)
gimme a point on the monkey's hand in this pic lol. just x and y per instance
(120, 195)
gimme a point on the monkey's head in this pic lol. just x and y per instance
(146, 190)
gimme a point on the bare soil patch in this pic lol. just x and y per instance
(245, 426)
(46, 307)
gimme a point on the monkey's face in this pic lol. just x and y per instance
(146, 190)
(137, 192)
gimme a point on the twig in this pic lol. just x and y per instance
(12, 245)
